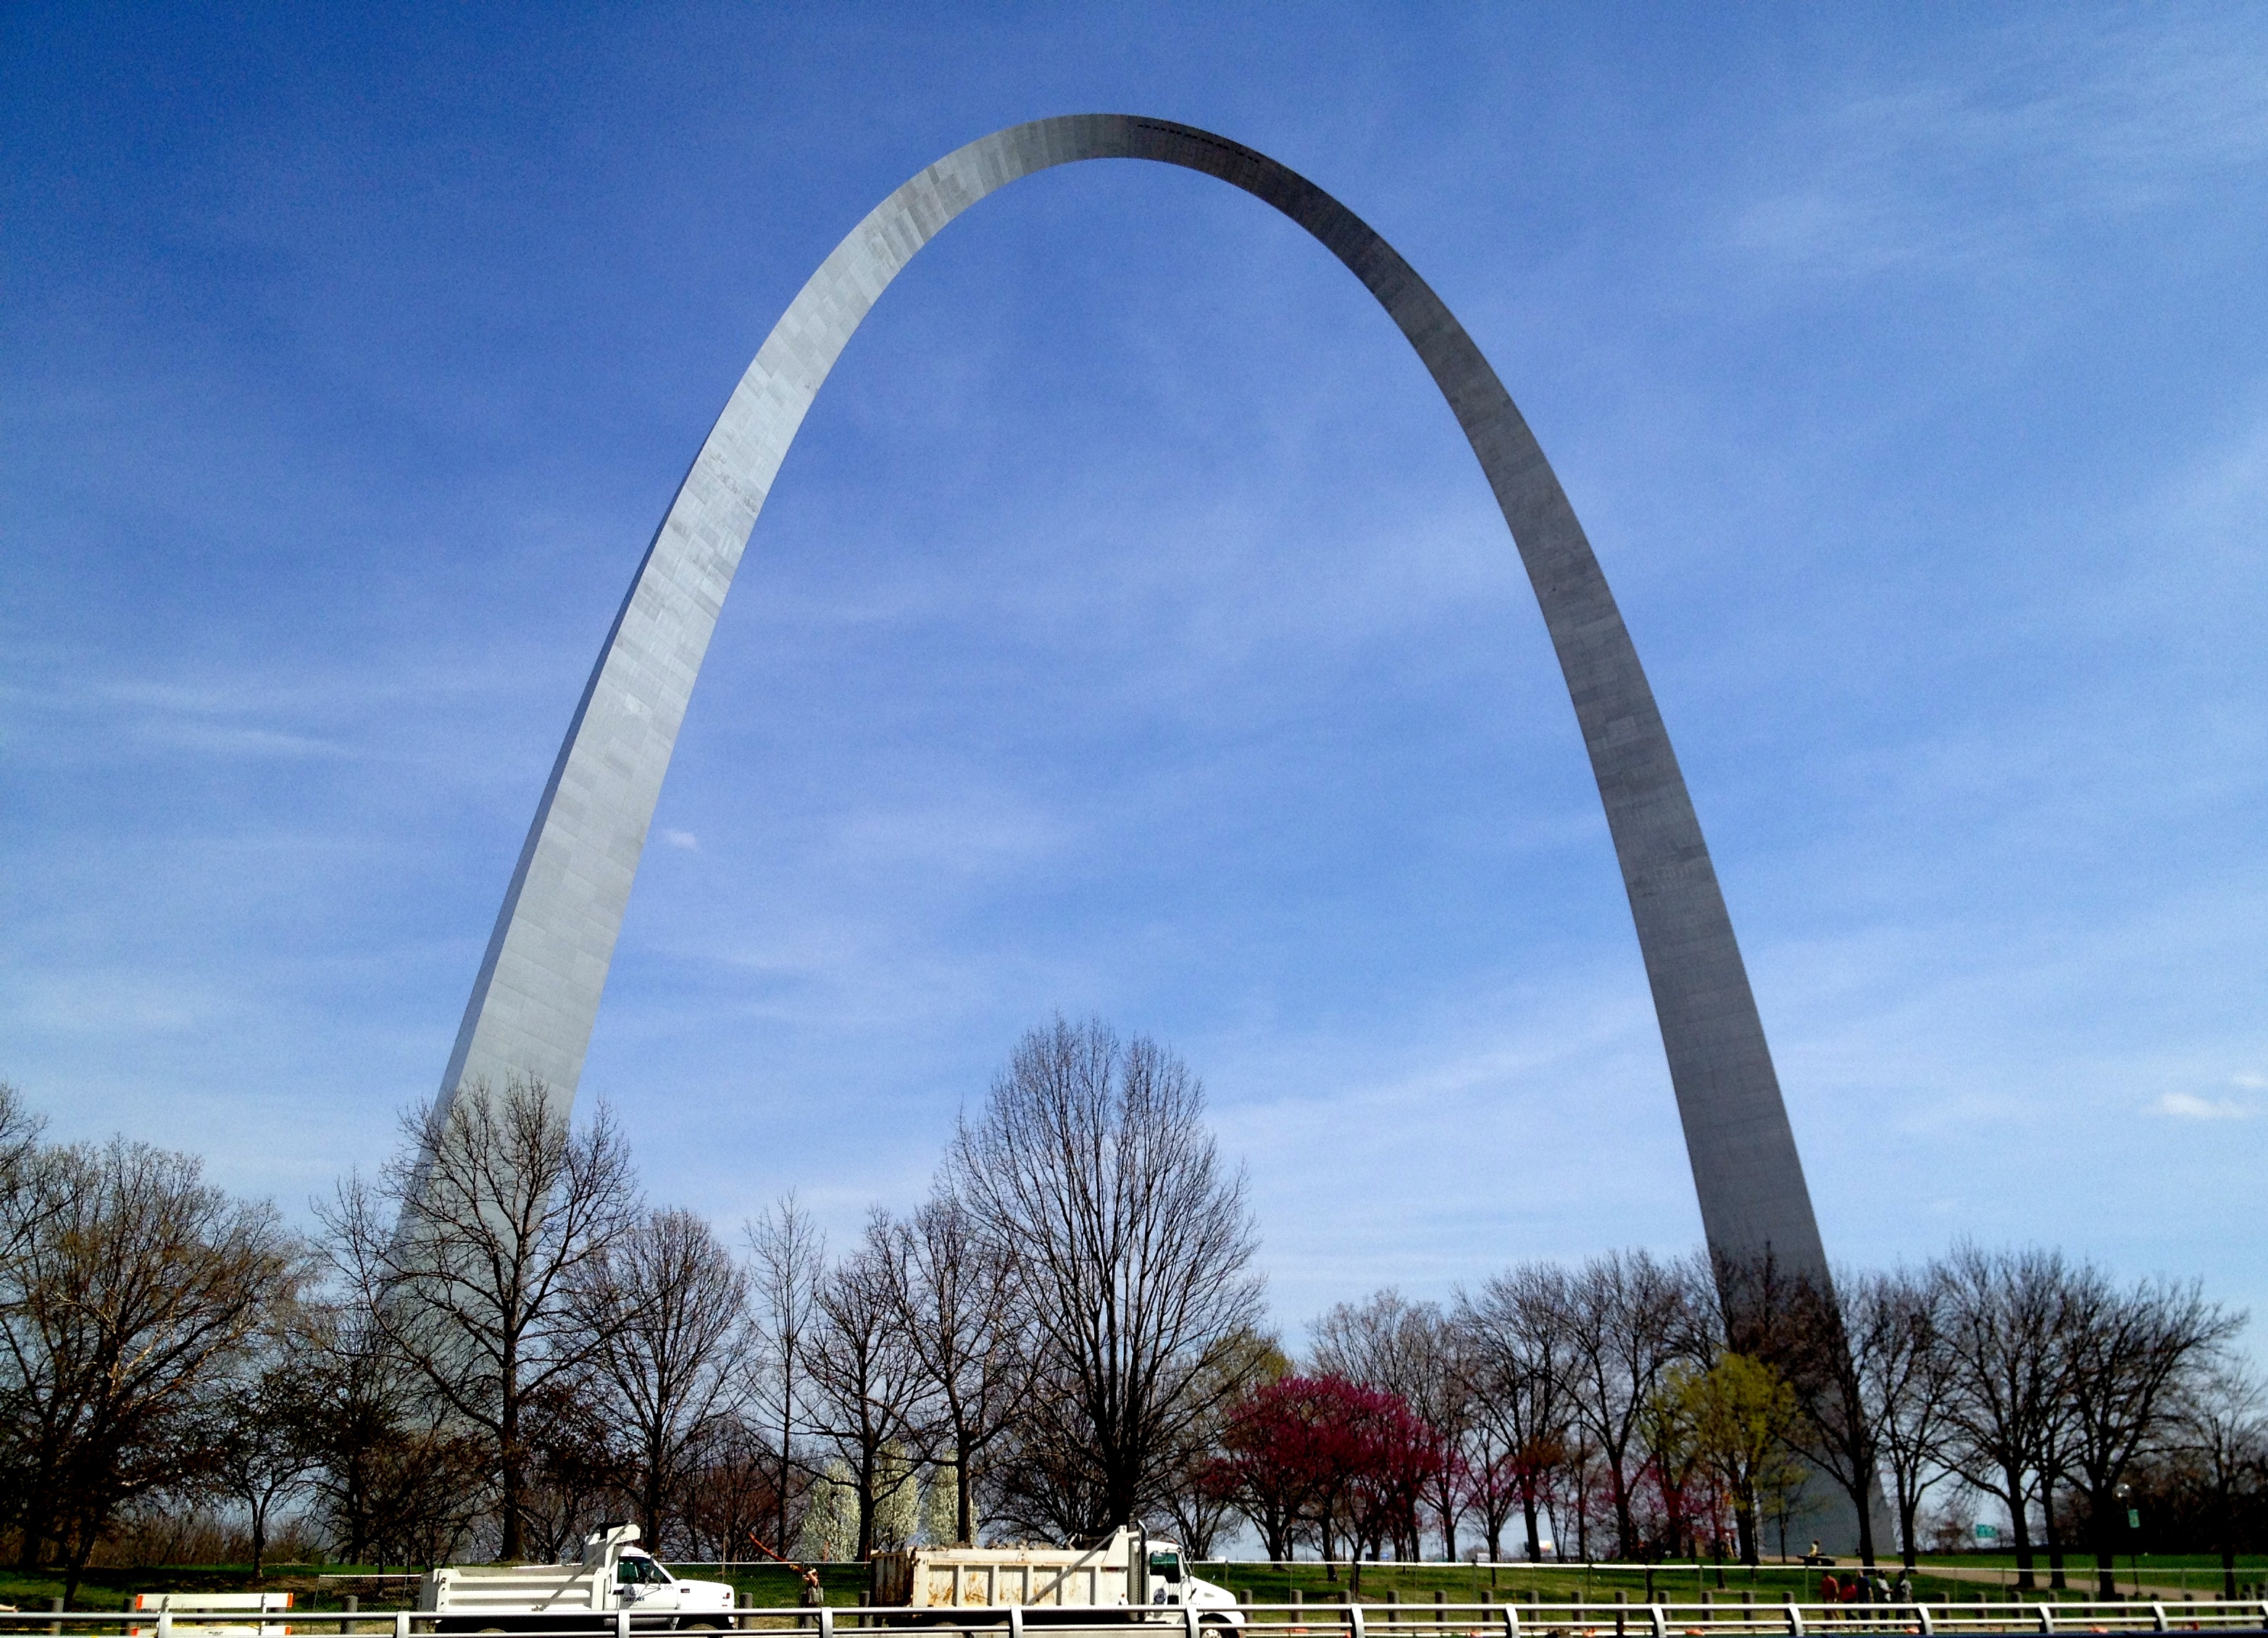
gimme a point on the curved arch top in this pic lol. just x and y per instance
(537, 995)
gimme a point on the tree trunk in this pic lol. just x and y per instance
(2020, 1521)
(2056, 1580)
(787, 1427)
(1626, 1522)
(74, 1563)
(650, 1504)
(866, 1502)
(2101, 1503)
(513, 1545)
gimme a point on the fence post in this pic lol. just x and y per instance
(402, 1624)
(56, 1607)
(353, 1603)
(1354, 1615)
(1794, 1616)
(165, 1623)
(2158, 1623)
(1621, 1613)
(1921, 1618)
(1661, 1620)
(1511, 1619)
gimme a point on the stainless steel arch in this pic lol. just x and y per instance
(537, 995)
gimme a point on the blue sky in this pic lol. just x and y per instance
(1130, 633)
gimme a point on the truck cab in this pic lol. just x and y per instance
(612, 1575)
(639, 1583)
(1172, 1583)
(643, 1586)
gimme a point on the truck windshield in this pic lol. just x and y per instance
(1166, 1566)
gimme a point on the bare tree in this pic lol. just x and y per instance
(946, 1285)
(264, 1445)
(363, 1405)
(867, 1387)
(1904, 1374)
(1093, 1175)
(1828, 1344)
(1515, 1358)
(670, 1308)
(2006, 1339)
(1196, 1496)
(133, 1293)
(23, 1203)
(1622, 1319)
(1409, 1349)
(2224, 1431)
(469, 1252)
(27, 1200)
(582, 1463)
(2131, 1354)
(729, 1492)
(432, 1487)
(789, 1254)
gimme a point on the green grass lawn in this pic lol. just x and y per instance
(774, 1586)
(1264, 1583)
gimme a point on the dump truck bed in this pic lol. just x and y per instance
(514, 1589)
(944, 1578)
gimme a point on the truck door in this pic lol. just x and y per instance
(643, 1586)
(1166, 1578)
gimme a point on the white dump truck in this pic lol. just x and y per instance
(611, 1577)
(1130, 1571)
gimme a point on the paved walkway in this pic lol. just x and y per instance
(2203, 1583)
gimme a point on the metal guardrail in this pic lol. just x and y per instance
(1588, 1620)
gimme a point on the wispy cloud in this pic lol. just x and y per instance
(1963, 172)
(2189, 1106)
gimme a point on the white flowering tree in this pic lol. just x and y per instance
(830, 1519)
